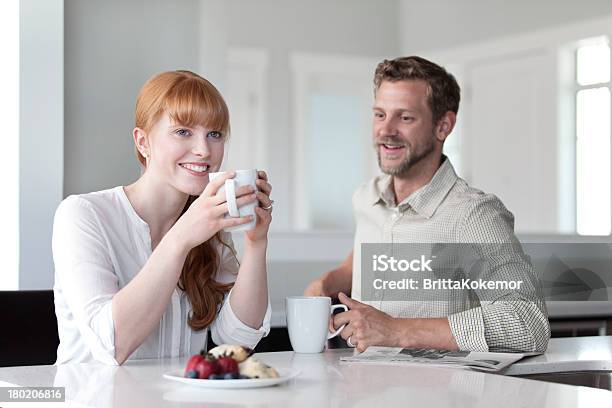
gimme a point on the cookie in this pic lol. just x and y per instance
(254, 368)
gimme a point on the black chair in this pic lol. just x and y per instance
(29, 328)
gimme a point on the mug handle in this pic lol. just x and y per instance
(230, 197)
(337, 332)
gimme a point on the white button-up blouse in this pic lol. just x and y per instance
(99, 244)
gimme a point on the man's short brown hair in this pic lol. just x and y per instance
(443, 92)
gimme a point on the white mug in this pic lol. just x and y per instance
(307, 322)
(242, 178)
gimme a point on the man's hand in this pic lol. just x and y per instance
(366, 326)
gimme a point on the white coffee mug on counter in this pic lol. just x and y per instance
(242, 178)
(307, 322)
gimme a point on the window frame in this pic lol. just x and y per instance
(576, 87)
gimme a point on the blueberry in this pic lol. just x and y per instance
(215, 377)
(230, 376)
(192, 374)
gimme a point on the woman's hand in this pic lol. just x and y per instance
(206, 215)
(264, 217)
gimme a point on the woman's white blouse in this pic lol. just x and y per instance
(99, 244)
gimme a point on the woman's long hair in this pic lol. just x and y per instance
(191, 101)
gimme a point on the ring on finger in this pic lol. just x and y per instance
(270, 206)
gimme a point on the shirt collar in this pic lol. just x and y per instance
(426, 199)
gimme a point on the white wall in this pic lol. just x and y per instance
(9, 166)
(433, 24)
(41, 136)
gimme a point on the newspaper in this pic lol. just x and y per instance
(442, 358)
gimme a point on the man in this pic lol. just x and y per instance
(420, 199)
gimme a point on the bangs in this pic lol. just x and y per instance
(195, 102)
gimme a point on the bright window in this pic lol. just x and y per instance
(593, 64)
(593, 190)
(9, 165)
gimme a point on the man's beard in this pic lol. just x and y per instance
(411, 158)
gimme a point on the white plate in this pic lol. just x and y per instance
(284, 376)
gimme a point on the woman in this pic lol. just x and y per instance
(143, 271)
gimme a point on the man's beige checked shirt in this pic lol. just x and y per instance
(448, 210)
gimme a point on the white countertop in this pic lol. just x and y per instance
(325, 382)
(593, 353)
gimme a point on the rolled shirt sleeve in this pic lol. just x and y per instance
(468, 330)
(514, 320)
(227, 328)
(84, 280)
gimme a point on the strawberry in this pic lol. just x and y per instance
(227, 365)
(193, 361)
(206, 367)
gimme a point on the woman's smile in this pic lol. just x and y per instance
(196, 169)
